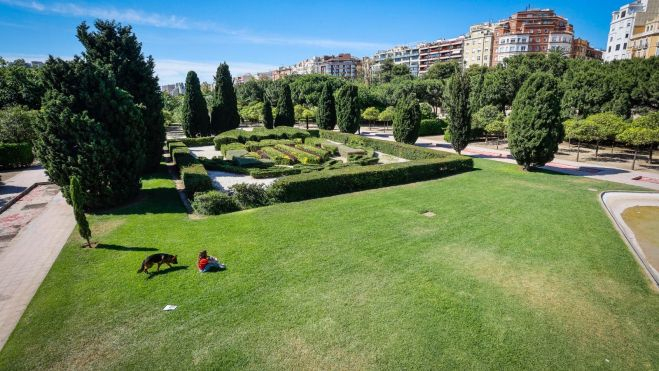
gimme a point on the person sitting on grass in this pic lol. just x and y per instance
(207, 263)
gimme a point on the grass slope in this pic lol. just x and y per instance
(517, 270)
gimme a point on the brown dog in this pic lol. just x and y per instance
(157, 259)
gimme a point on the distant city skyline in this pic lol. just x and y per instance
(262, 36)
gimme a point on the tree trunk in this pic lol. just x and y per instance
(613, 143)
(651, 150)
(497, 142)
(578, 149)
(307, 122)
(569, 143)
(634, 160)
(597, 148)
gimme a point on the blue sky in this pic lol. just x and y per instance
(256, 36)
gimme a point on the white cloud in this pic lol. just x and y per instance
(174, 22)
(172, 70)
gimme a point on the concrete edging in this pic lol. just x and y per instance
(27, 190)
(638, 255)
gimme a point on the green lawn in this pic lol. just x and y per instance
(516, 270)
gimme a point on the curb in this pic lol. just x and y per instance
(27, 190)
(638, 256)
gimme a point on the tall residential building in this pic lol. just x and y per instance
(644, 42)
(342, 65)
(407, 55)
(478, 45)
(623, 23)
(440, 51)
(581, 49)
(281, 72)
(532, 31)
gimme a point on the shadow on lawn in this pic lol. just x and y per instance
(124, 248)
(165, 271)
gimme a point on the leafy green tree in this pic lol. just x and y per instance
(117, 47)
(252, 112)
(285, 110)
(306, 89)
(459, 114)
(196, 121)
(309, 114)
(535, 122)
(607, 125)
(586, 89)
(496, 128)
(426, 111)
(17, 124)
(347, 109)
(485, 116)
(78, 203)
(407, 120)
(326, 109)
(441, 70)
(90, 127)
(387, 115)
(224, 111)
(370, 115)
(637, 136)
(430, 91)
(251, 91)
(20, 85)
(298, 110)
(268, 121)
(649, 121)
(582, 131)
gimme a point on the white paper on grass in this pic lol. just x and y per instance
(169, 307)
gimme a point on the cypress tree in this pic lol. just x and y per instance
(117, 47)
(78, 203)
(347, 109)
(285, 109)
(224, 111)
(194, 111)
(535, 122)
(267, 114)
(91, 128)
(407, 120)
(326, 108)
(459, 115)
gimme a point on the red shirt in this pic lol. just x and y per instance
(202, 263)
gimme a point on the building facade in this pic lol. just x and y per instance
(281, 72)
(620, 30)
(532, 31)
(407, 55)
(174, 89)
(440, 51)
(644, 42)
(343, 65)
(478, 45)
(581, 49)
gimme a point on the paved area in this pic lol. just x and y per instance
(612, 174)
(616, 203)
(223, 180)
(41, 240)
(205, 151)
(20, 181)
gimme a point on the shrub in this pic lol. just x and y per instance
(259, 134)
(323, 154)
(406, 120)
(15, 155)
(357, 178)
(277, 156)
(224, 111)
(231, 146)
(274, 172)
(255, 146)
(174, 144)
(285, 111)
(183, 157)
(432, 127)
(195, 179)
(17, 124)
(251, 162)
(196, 121)
(195, 142)
(268, 121)
(214, 203)
(234, 153)
(250, 195)
(301, 156)
(347, 109)
(326, 114)
(223, 165)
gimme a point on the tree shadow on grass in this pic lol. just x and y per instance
(166, 271)
(124, 248)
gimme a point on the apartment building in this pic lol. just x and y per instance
(281, 72)
(644, 42)
(243, 79)
(174, 89)
(623, 23)
(403, 54)
(532, 31)
(440, 51)
(343, 65)
(478, 45)
(581, 49)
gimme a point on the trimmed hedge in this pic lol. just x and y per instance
(255, 146)
(16, 155)
(195, 179)
(194, 142)
(301, 156)
(323, 154)
(215, 203)
(351, 179)
(223, 165)
(277, 156)
(432, 127)
(259, 134)
(274, 172)
(406, 151)
(231, 146)
(183, 157)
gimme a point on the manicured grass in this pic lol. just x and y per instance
(516, 270)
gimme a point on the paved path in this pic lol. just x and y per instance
(608, 173)
(41, 240)
(18, 183)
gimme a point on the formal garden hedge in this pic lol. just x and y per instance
(13, 155)
(193, 173)
(259, 134)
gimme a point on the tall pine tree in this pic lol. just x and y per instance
(117, 47)
(91, 128)
(348, 113)
(535, 122)
(196, 121)
(326, 108)
(78, 204)
(224, 111)
(285, 110)
(407, 120)
(267, 114)
(459, 115)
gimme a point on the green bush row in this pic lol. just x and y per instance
(301, 156)
(356, 178)
(274, 172)
(223, 165)
(278, 157)
(432, 127)
(255, 146)
(240, 196)
(195, 179)
(259, 134)
(15, 155)
(323, 154)
(231, 146)
(194, 142)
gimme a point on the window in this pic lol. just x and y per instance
(624, 46)
(617, 47)
(609, 49)
(624, 12)
(626, 36)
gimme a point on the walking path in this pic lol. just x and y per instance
(41, 240)
(611, 174)
(19, 183)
